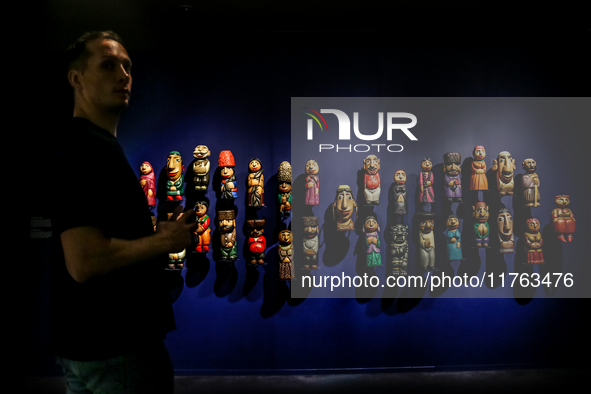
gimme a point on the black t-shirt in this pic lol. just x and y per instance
(94, 185)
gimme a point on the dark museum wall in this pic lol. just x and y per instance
(233, 92)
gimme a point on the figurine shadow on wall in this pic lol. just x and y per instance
(522, 294)
(553, 258)
(198, 266)
(174, 282)
(337, 242)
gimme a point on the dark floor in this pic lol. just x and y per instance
(520, 381)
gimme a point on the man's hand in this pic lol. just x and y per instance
(89, 253)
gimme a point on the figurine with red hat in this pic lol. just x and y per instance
(227, 164)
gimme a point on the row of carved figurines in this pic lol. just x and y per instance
(562, 219)
(197, 179)
(256, 242)
(503, 165)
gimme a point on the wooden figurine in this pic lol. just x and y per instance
(452, 169)
(426, 181)
(371, 180)
(399, 249)
(200, 168)
(399, 196)
(312, 183)
(343, 208)
(371, 229)
(563, 219)
(176, 261)
(227, 225)
(228, 188)
(148, 183)
(426, 241)
(202, 235)
(506, 236)
(256, 241)
(284, 188)
(504, 165)
(530, 183)
(285, 255)
(534, 242)
(310, 242)
(478, 179)
(175, 189)
(256, 183)
(481, 228)
(454, 238)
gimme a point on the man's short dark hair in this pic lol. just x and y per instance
(77, 53)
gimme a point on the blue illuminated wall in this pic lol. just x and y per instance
(245, 320)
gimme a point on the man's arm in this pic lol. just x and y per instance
(89, 253)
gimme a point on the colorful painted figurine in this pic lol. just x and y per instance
(481, 228)
(175, 189)
(454, 238)
(284, 188)
(426, 241)
(563, 219)
(371, 229)
(227, 225)
(310, 242)
(506, 237)
(504, 165)
(202, 235)
(452, 169)
(148, 183)
(228, 187)
(371, 180)
(399, 196)
(285, 255)
(256, 242)
(478, 180)
(399, 249)
(256, 183)
(530, 183)
(176, 261)
(200, 168)
(343, 208)
(534, 242)
(426, 181)
(312, 183)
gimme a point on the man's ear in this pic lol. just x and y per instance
(74, 78)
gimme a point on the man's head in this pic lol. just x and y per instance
(99, 70)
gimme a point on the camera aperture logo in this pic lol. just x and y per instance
(344, 130)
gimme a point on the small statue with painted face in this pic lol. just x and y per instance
(481, 228)
(371, 180)
(371, 229)
(454, 238)
(563, 219)
(343, 208)
(426, 181)
(533, 242)
(452, 170)
(506, 236)
(530, 183)
(399, 195)
(504, 165)
(399, 249)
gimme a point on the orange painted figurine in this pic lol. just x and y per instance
(563, 219)
(202, 235)
(478, 180)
